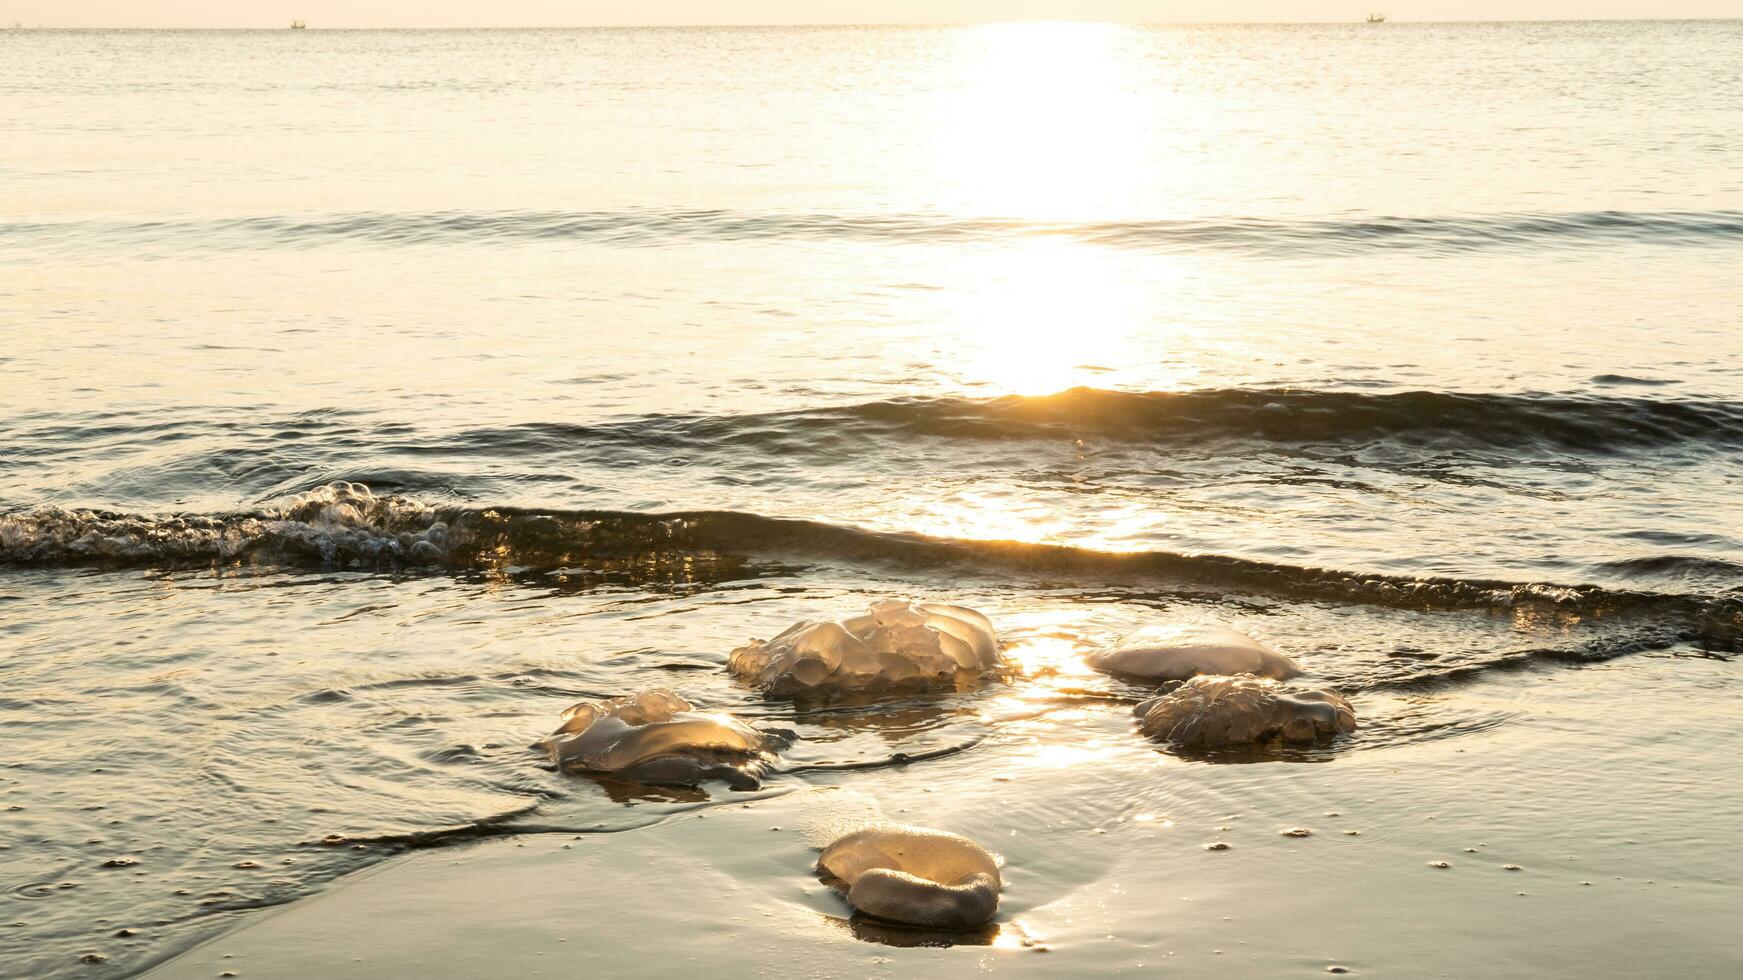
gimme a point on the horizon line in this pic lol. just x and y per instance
(18, 26)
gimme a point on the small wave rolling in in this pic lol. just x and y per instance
(325, 487)
(651, 229)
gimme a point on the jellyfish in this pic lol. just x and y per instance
(915, 876)
(1209, 712)
(895, 645)
(1180, 651)
(658, 738)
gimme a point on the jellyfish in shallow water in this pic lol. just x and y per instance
(1177, 652)
(1209, 712)
(916, 876)
(896, 645)
(658, 738)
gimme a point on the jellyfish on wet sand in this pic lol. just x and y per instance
(1179, 651)
(1209, 711)
(658, 738)
(895, 645)
(916, 876)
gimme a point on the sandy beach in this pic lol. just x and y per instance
(485, 497)
(1107, 868)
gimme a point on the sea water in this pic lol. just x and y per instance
(368, 397)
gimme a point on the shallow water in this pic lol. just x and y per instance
(1414, 352)
(1552, 863)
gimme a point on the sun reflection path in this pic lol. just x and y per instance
(1045, 658)
(1007, 511)
(1050, 314)
(1047, 699)
(1052, 122)
(1049, 123)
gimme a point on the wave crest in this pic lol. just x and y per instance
(1281, 416)
(339, 523)
(344, 524)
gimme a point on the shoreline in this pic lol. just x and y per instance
(1130, 886)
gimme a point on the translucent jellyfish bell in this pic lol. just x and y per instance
(1210, 712)
(896, 644)
(916, 876)
(658, 738)
(1178, 651)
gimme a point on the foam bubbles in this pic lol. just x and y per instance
(658, 738)
(336, 523)
(1178, 651)
(1208, 711)
(896, 645)
(916, 876)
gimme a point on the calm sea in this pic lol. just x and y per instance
(1415, 350)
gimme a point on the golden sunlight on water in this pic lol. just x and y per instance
(1037, 122)
(1052, 122)
(1048, 315)
(1442, 404)
(1030, 126)
(1054, 656)
(1056, 756)
(1008, 514)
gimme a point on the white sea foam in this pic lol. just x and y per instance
(338, 522)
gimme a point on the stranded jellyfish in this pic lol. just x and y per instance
(1177, 652)
(915, 876)
(658, 738)
(896, 645)
(1209, 712)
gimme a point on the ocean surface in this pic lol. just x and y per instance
(368, 397)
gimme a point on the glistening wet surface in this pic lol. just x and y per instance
(1612, 869)
(321, 721)
(327, 484)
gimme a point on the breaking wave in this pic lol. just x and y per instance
(345, 525)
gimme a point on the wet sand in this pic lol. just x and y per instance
(1619, 808)
(308, 528)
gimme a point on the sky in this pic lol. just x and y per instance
(559, 13)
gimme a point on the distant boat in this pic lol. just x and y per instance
(1376, 18)
(297, 25)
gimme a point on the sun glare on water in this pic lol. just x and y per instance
(1048, 122)
(1043, 316)
(1047, 125)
